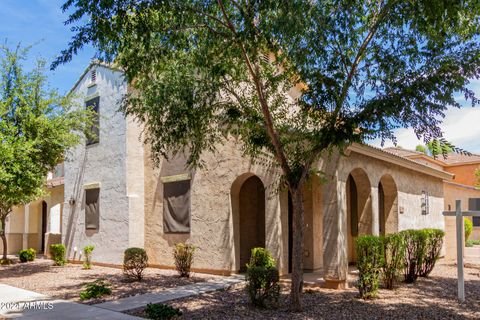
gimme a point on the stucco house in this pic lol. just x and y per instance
(38, 224)
(461, 187)
(114, 198)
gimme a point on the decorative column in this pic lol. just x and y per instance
(375, 211)
(335, 258)
(26, 226)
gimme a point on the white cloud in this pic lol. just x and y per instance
(460, 126)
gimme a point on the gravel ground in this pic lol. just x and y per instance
(67, 282)
(431, 298)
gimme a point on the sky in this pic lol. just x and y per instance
(40, 23)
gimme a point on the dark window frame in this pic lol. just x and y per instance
(175, 222)
(94, 104)
(92, 195)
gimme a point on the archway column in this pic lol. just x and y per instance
(375, 211)
(335, 257)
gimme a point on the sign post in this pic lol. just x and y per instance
(459, 226)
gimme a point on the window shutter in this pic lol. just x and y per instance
(92, 209)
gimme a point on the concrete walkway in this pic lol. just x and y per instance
(19, 303)
(140, 301)
(15, 302)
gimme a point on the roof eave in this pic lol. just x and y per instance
(400, 161)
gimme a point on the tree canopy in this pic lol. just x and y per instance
(295, 78)
(37, 126)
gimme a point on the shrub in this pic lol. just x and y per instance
(135, 261)
(262, 279)
(369, 251)
(183, 256)
(161, 311)
(87, 253)
(468, 228)
(6, 262)
(27, 255)
(58, 252)
(393, 256)
(433, 245)
(471, 243)
(95, 289)
(415, 241)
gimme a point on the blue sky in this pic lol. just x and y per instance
(40, 22)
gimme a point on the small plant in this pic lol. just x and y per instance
(262, 279)
(135, 261)
(6, 262)
(369, 263)
(58, 252)
(471, 243)
(393, 256)
(415, 241)
(87, 254)
(27, 255)
(96, 289)
(161, 311)
(433, 245)
(183, 256)
(468, 228)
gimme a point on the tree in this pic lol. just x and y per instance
(37, 126)
(203, 70)
(438, 147)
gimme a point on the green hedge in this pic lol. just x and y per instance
(468, 228)
(414, 252)
(369, 251)
(58, 253)
(393, 258)
(433, 245)
(262, 279)
(27, 255)
(135, 260)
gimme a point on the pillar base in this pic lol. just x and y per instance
(335, 284)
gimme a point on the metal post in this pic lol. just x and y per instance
(459, 220)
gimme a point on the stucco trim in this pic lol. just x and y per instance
(92, 185)
(462, 185)
(176, 178)
(379, 154)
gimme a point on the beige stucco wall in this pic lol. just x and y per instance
(214, 191)
(409, 184)
(455, 192)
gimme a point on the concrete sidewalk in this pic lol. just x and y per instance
(140, 301)
(19, 303)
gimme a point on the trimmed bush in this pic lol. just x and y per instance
(393, 258)
(183, 256)
(415, 241)
(433, 245)
(27, 255)
(161, 311)
(87, 256)
(468, 228)
(58, 253)
(369, 251)
(262, 279)
(135, 261)
(96, 289)
(471, 243)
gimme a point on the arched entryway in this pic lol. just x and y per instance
(359, 209)
(252, 218)
(44, 226)
(387, 205)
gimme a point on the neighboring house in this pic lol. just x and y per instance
(115, 198)
(462, 187)
(38, 224)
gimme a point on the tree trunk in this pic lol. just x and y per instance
(4, 237)
(297, 250)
